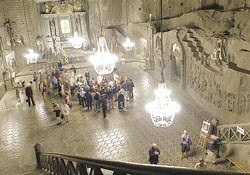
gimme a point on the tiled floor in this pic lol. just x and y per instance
(124, 136)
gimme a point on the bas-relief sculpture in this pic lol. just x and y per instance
(15, 40)
(62, 7)
(208, 86)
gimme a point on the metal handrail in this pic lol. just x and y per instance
(63, 164)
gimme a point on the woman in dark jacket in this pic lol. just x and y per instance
(121, 101)
(88, 97)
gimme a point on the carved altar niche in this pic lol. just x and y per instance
(60, 7)
(58, 28)
(176, 63)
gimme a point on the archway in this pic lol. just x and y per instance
(176, 64)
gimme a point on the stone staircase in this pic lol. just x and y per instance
(195, 45)
(37, 172)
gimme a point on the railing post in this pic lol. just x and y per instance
(37, 148)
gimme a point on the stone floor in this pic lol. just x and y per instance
(124, 136)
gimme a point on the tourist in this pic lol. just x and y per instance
(115, 90)
(110, 98)
(73, 69)
(88, 100)
(57, 110)
(104, 105)
(48, 80)
(67, 97)
(185, 144)
(35, 79)
(29, 94)
(54, 83)
(87, 75)
(82, 97)
(130, 89)
(121, 101)
(59, 65)
(96, 101)
(43, 88)
(66, 111)
(154, 153)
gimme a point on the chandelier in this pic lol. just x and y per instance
(128, 44)
(76, 41)
(162, 110)
(103, 61)
(31, 56)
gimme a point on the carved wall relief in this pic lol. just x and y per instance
(61, 7)
(206, 84)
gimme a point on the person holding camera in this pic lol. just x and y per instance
(185, 144)
(154, 153)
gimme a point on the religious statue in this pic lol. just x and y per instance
(219, 54)
(77, 6)
(78, 24)
(52, 26)
(47, 8)
(62, 7)
(40, 43)
(9, 26)
(230, 102)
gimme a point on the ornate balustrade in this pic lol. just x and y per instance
(61, 164)
(229, 133)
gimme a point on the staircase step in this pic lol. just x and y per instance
(37, 172)
(193, 48)
(200, 49)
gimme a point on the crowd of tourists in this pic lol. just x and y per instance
(93, 93)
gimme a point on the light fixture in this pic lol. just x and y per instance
(162, 110)
(128, 44)
(76, 41)
(103, 61)
(31, 56)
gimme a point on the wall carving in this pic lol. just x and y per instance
(206, 84)
(61, 7)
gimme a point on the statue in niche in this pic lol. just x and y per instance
(54, 45)
(40, 43)
(247, 103)
(78, 24)
(77, 6)
(230, 102)
(9, 26)
(62, 7)
(52, 26)
(158, 43)
(242, 105)
(47, 8)
(219, 55)
(18, 40)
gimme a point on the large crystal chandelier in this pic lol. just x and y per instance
(31, 56)
(128, 44)
(162, 109)
(103, 61)
(76, 41)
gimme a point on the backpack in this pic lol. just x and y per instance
(96, 97)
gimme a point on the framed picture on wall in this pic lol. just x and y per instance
(65, 26)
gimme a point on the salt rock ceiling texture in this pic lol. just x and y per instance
(213, 17)
(214, 23)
